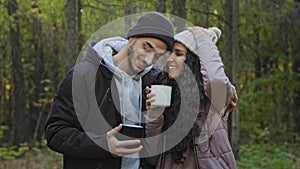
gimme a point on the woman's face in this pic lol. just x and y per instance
(176, 60)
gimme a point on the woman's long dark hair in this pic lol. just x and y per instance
(193, 64)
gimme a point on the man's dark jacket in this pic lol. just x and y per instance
(84, 109)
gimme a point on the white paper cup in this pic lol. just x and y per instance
(162, 95)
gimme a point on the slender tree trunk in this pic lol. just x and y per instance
(257, 62)
(207, 23)
(129, 8)
(72, 36)
(178, 9)
(161, 6)
(55, 62)
(6, 93)
(19, 124)
(38, 56)
(232, 59)
(296, 65)
(3, 80)
(284, 112)
(296, 107)
(79, 25)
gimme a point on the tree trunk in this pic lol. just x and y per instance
(178, 9)
(72, 38)
(19, 124)
(232, 59)
(79, 25)
(257, 63)
(296, 65)
(55, 62)
(296, 107)
(4, 90)
(38, 56)
(129, 8)
(207, 24)
(6, 93)
(161, 6)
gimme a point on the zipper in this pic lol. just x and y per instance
(104, 98)
(162, 159)
(195, 153)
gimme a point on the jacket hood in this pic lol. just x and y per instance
(129, 88)
(105, 50)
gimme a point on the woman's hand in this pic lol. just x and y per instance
(153, 112)
(234, 101)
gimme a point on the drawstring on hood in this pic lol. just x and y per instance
(129, 90)
(130, 99)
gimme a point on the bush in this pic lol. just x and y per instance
(267, 156)
(35, 159)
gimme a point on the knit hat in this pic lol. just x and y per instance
(154, 25)
(214, 33)
(187, 39)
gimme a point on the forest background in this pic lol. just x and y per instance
(260, 47)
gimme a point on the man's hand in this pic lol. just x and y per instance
(119, 148)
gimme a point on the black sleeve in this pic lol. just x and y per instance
(63, 130)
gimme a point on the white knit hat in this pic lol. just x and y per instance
(187, 39)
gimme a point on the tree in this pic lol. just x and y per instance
(19, 114)
(79, 25)
(36, 106)
(296, 63)
(72, 36)
(231, 10)
(178, 9)
(161, 6)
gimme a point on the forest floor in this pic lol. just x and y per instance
(251, 157)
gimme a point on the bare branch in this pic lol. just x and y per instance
(94, 7)
(108, 4)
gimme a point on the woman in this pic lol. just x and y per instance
(205, 143)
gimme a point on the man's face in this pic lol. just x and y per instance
(143, 52)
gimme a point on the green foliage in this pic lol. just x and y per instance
(12, 152)
(267, 156)
(2, 130)
(268, 84)
(35, 158)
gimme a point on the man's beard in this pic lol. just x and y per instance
(130, 52)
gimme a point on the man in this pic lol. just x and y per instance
(103, 91)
